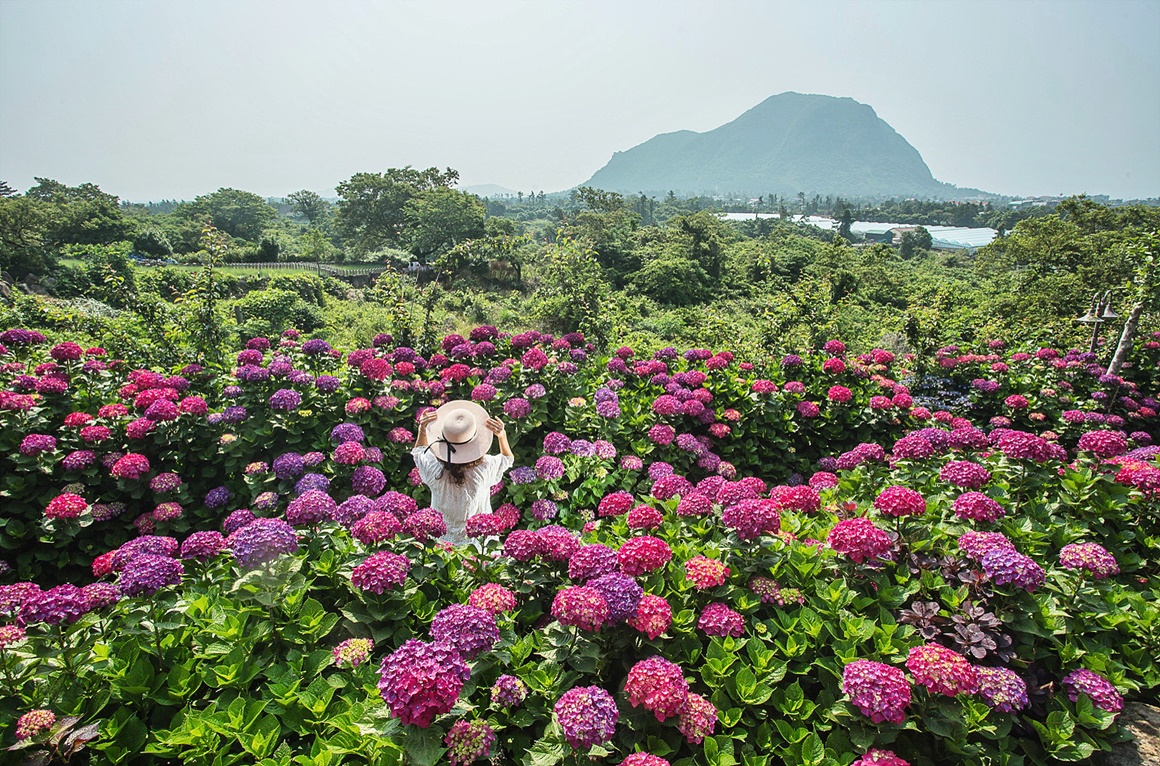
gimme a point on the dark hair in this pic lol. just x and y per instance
(458, 471)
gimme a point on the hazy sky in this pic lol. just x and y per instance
(168, 99)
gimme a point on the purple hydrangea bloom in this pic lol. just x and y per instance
(622, 593)
(285, 400)
(587, 716)
(470, 629)
(217, 497)
(261, 541)
(347, 432)
(147, 574)
(368, 480)
(312, 482)
(311, 507)
(289, 465)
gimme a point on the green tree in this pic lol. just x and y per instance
(24, 226)
(439, 219)
(372, 206)
(85, 215)
(573, 293)
(152, 242)
(310, 205)
(317, 247)
(675, 281)
(240, 214)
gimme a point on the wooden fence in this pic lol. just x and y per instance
(320, 269)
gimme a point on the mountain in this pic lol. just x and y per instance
(489, 190)
(789, 143)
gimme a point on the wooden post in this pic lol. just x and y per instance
(1126, 339)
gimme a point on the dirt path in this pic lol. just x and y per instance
(1143, 722)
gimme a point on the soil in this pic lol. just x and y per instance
(1143, 722)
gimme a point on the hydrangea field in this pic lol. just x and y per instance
(822, 558)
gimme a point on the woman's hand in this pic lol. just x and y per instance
(495, 425)
(425, 419)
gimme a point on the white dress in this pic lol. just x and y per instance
(459, 502)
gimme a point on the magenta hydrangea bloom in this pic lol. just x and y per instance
(718, 619)
(705, 572)
(66, 506)
(580, 606)
(644, 759)
(900, 501)
(876, 757)
(522, 545)
(698, 717)
(913, 447)
(130, 466)
(353, 652)
(36, 444)
(62, 605)
(493, 597)
(694, 504)
(752, 518)
(591, 561)
(653, 616)
(421, 680)
(976, 545)
(643, 554)
(203, 546)
(942, 671)
(508, 691)
(470, 629)
(670, 484)
(381, 571)
(615, 504)
(658, 685)
(425, 524)
(1002, 689)
(557, 543)
(587, 715)
(965, 474)
(802, 498)
(1101, 691)
(549, 468)
(977, 506)
(34, 722)
(644, 517)
(1090, 558)
(236, 520)
(1103, 444)
(468, 741)
(879, 691)
(311, 507)
(859, 539)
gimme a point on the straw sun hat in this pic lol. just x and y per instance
(458, 434)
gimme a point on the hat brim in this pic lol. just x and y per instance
(464, 453)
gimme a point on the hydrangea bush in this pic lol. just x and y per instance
(697, 559)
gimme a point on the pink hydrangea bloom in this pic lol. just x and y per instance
(942, 671)
(658, 685)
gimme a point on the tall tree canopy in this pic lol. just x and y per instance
(372, 206)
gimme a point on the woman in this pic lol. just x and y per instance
(451, 454)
